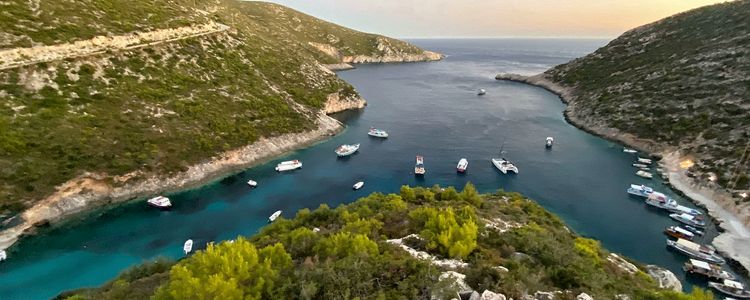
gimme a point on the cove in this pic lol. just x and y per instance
(429, 109)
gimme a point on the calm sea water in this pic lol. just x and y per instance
(430, 109)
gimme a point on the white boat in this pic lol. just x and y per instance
(358, 185)
(188, 246)
(694, 250)
(640, 165)
(274, 216)
(688, 219)
(693, 229)
(288, 165)
(640, 190)
(160, 202)
(548, 143)
(504, 165)
(679, 232)
(252, 183)
(644, 174)
(377, 133)
(481, 92)
(731, 288)
(710, 271)
(686, 210)
(419, 166)
(660, 200)
(3, 255)
(463, 164)
(346, 150)
(644, 160)
(628, 150)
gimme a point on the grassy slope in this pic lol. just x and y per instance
(552, 257)
(157, 109)
(682, 81)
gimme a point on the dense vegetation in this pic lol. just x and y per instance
(343, 253)
(683, 81)
(161, 108)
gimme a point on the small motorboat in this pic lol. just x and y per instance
(358, 185)
(688, 219)
(463, 164)
(640, 165)
(644, 174)
(679, 232)
(274, 216)
(346, 150)
(694, 250)
(188, 246)
(160, 202)
(481, 92)
(731, 288)
(693, 229)
(640, 190)
(628, 150)
(3, 255)
(548, 143)
(288, 165)
(377, 133)
(419, 166)
(252, 183)
(710, 271)
(504, 165)
(644, 160)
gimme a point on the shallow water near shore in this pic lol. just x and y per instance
(430, 109)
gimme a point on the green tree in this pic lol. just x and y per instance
(345, 244)
(471, 196)
(451, 236)
(407, 193)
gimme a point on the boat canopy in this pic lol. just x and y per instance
(689, 244)
(700, 264)
(733, 284)
(687, 216)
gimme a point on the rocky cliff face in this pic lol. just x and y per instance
(385, 52)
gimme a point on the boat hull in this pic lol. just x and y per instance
(726, 291)
(702, 256)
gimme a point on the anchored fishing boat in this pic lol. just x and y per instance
(679, 232)
(644, 174)
(188, 246)
(463, 164)
(274, 216)
(688, 219)
(419, 166)
(358, 185)
(548, 143)
(288, 165)
(628, 150)
(640, 190)
(377, 133)
(694, 250)
(731, 288)
(346, 150)
(710, 271)
(481, 92)
(252, 183)
(160, 202)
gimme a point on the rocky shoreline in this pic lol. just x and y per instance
(733, 242)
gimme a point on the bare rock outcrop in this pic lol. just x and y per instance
(665, 278)
(337, 103)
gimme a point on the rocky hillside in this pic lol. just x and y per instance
(101, 94)
(423, 243)
(679, 83)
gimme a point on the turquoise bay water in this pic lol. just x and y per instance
(429, 109)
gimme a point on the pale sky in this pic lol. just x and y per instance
(493, 18)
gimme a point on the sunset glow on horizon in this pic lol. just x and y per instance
(475, 18)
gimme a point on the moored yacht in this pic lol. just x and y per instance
(346, 150)
(688, 219)
(660, 200)
(694, 250)
(419, 166)
(358, 185)
(548, 142)
(463, 164)
(160, 202)
(679, 232)
(731, 288)
(377, 133)
(710, 271)
(644, 160)
(274, 216)
(504, 165)
(252, 183)
(628, 150)
(188, 246)
(693, 229)
(288, 165)
(637, 165)
(644, 174)
(640, 190)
